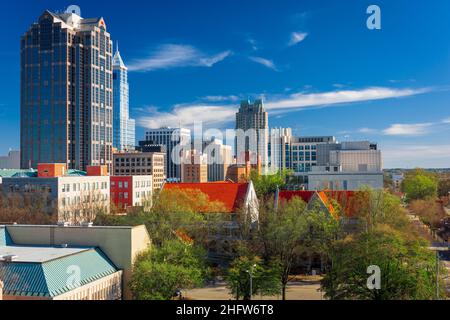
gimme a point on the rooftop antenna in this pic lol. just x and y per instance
(117, 46)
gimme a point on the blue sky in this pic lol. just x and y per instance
(318, 67)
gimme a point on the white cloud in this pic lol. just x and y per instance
(367, 130)
(187, 115)
(411, 156)
(297, 37)
(170, 56)
(220, 98)
(302, 100)
(265, 62)
(416, 129)
(216, 113)
(446, 121)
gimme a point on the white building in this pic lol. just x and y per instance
(75, 197)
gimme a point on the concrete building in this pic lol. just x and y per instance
(174, 140)
(141, 163)
(194, 168)
(66, 92)
(252, 126)
(124, 127)
(347, 166)
(304, 154)
(47, 257)
(128, 192)
(73, 195)
(10, 161)
(220, 157)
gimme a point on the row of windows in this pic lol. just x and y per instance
(84, 186)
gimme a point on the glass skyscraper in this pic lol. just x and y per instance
(253, 119)
(124, 127)
(66, 92)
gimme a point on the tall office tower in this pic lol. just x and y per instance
(220, 157)
(124, 127)
(253, 119)
(279, 149)
(66, 92)
(175, 140)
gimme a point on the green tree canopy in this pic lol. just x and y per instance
(159, 272)
(419, 185)
(265, 279)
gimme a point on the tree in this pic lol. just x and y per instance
(30, 208)
(419, 185)
(160, 272)
(173, 210)
(264, 279)
(265, 185)
(407, 267)
(290, 231)
(444, 187)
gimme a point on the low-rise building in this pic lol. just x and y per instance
(70, 263)
(129, 192)
(73, 195)
(141, 163)
(194, 167)
(245, 164)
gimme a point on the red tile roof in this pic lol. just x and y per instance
(230, 194)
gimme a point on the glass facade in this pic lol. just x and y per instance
(66, 92)
(124, 127)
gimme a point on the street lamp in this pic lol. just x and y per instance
(250, 273)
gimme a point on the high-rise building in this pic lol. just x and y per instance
(279, 149)
(252, 120)
(124, 127)
(220, 157)
(66, 92)
(175, 140)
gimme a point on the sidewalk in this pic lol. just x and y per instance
(295, 291)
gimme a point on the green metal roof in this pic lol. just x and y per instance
(8, 173)
(53, 278)
(55, 274)
(76, 173)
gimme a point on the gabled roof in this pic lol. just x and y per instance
(344, 198)
(230, 194)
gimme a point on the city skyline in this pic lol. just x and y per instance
(320, 71)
